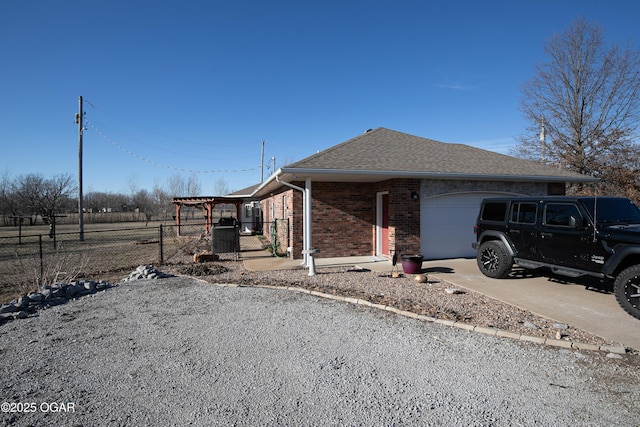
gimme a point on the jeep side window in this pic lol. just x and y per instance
(524, 213)
(613, 210)
(562, 215)
(494, 211)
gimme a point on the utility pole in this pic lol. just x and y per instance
(79, 121)
(262, 163)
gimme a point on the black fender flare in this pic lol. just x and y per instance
(497, 235)
(619, 254)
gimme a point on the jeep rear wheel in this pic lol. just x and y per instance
(494, 260)
(627, 290)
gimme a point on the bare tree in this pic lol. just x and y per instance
(8, 199)
(179, 187)
(57, 193)
(176, 186)
(142, 202)
(193, 186)
(44, 197)
(133, 184)
(221, 188)
(27, 189)
(586, 99)
(162, 200)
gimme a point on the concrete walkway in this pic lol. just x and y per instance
(582, 304)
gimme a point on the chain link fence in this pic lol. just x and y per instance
(28, 262)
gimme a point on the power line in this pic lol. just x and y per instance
(155, 147)
(158, 133)
(144, 159)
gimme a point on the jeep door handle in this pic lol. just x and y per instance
(543, 235)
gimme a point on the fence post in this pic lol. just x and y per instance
(161, 248)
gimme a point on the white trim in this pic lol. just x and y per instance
(566, 177)
(379, 221)
(308, 223)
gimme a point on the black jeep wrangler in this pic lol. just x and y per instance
(571, 236)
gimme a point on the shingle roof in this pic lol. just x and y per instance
(245, 192)
(391, 151)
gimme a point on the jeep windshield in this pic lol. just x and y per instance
(611, 211)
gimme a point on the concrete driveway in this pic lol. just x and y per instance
(582, 303)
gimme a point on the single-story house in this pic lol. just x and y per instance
(385, 191)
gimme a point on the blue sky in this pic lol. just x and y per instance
(182, 87)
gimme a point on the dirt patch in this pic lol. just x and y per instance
(202, 269)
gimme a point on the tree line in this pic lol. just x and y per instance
(43, 198)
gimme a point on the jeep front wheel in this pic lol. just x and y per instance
(627, 290)
(494, 260)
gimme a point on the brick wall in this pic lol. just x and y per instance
(344, 214)
(344, 217)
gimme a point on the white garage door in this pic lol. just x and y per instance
(446, 225)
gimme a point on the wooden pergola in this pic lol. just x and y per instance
(207, 204)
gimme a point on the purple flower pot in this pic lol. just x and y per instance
(412, 264)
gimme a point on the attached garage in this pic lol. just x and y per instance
(446, 224)
(432, 190)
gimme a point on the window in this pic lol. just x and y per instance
(562, 215)
(494, 211)
(524, 213)
(613, 210)
(285, 207)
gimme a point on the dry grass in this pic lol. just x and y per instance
(104, 254)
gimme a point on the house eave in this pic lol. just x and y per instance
(350, 175)
(383, 175)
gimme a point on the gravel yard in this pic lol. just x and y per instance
(429, 299)
(180, 351)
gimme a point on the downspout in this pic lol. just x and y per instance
(306, 224)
